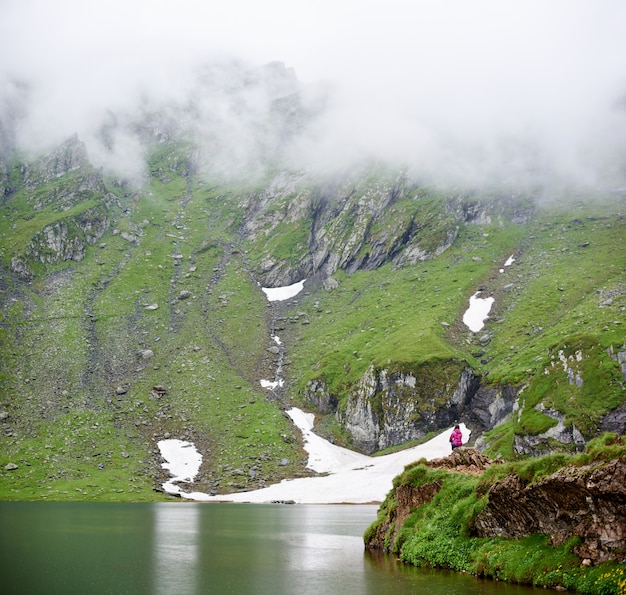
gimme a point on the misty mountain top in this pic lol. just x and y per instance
(233, 116)
(461, 94)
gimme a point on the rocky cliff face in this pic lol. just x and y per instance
(64, 187)
(359, 223)
(68, 239)
(388, 408)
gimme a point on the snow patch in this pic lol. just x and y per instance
(278, 294)
(270, 384)
(183, 462)
(509, 261)
(477, 312)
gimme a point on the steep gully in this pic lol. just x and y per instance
(353, 477)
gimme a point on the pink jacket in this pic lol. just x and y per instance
(456, 437)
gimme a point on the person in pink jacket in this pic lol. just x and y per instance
(456, 438)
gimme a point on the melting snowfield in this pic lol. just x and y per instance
(278, 294)
(351, 477)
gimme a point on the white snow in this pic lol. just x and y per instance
(183, 462)
(272, 383)
(278, 294)
(509, 261)
(352, 477)
(477, 312)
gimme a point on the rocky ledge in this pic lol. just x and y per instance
(587, 502)
(408, 497)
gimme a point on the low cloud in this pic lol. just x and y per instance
(464, 93)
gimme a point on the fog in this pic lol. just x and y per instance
(461, 92)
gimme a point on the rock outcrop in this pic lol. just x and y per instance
(540, 444)
(369, 219)
(587, 502)
(69, 156)
(65, 184)
(68, 239)
(408, 497)
(464, 460)
(388, 408)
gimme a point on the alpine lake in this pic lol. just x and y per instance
(190, 548)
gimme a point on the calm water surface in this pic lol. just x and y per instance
(189, 548)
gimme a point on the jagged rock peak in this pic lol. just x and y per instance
(69, 156)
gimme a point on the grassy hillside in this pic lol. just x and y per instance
(170, 304)
(399, 314)
(168, 296)
(563, 294)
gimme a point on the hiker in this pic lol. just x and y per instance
(456, 438)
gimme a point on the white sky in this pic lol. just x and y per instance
(471, 87)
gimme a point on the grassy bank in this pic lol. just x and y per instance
(440, 533)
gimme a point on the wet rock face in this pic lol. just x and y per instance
(319, 396)
(587, 502)
(390, 408)
(615, 421)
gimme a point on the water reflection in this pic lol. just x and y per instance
(324, 549)
(405, 579)
(176, 548)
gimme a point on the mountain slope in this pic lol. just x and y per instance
(131, 312)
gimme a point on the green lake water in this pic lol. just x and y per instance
(189, 548)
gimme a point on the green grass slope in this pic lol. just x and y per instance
(164, 300)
